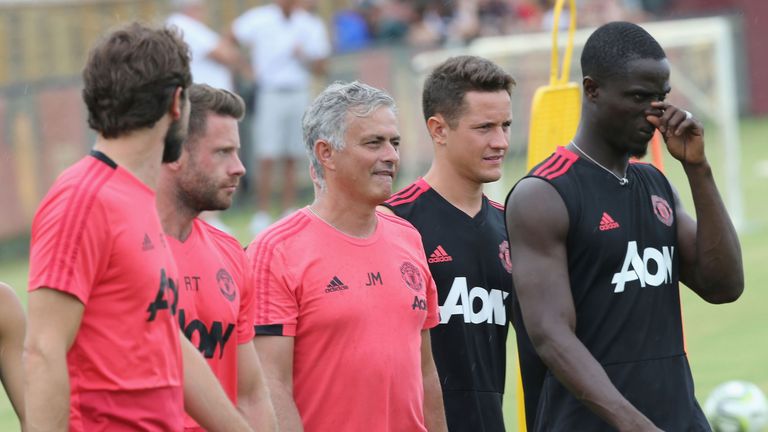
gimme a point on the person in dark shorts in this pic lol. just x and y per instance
(466, 103)
(600, 244)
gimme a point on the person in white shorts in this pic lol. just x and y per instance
(214, 62)
(288, 45)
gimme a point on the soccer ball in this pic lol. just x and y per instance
(737, 406)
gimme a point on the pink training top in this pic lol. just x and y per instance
(215, 300)
(356, 308)
(97, 237)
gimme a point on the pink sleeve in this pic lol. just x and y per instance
(245, 329)
(433, 314)
(276, 308)
(70, 243)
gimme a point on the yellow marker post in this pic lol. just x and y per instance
(555, 113)
(556, 107)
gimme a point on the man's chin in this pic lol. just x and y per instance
(639, 151)
(381, 195)
(485, 176)
(222, 206)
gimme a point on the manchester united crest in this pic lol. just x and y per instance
(226, 285)
(504, 256)
(412, 276)
(662, 210)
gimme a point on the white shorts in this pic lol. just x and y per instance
(278, 123)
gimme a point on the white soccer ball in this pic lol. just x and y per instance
(737, 406)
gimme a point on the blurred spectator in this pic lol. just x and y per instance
(527, 15)
(214, 59)
(393, 19)
(494, 16)
(430, 24)
(350, 30)
(288, 44)
(464, 25)
(548, 17)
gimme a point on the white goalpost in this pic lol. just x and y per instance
(701, 54)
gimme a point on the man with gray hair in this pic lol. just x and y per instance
(345, 300)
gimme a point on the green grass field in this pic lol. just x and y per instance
(724, 342)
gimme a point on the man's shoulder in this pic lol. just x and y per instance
(647, 168)
(283, 233)
(556, 165)
(404, 200)
(79, 186)
(494, 206)
(398, 224)
(218, 238)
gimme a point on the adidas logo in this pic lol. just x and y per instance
(607, 223)
(147, 243)
(335, 285)
(439, 255)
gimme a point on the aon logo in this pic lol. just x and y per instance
(461, 301)
(636, 267)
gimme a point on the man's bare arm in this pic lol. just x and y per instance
(12, 329)
(276, 355)
(537, 225)
(253, 398)
(204, 399)
(434, 410)
(54, 318)
(710, 253)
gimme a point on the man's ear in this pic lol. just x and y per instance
(175, 166)
(591, 88)
(324, 153)
(438, 126)
(177, 103)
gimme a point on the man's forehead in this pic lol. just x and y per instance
(646, 69)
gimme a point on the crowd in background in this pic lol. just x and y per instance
(433, 23)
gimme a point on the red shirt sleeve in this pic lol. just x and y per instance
(433, 312)
(70, 241)
(276, 306)
(245, 319)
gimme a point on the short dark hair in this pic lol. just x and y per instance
(206, 99)
(446, 86)
(130, 78)
(612, 46)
